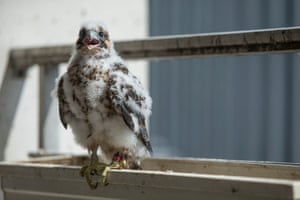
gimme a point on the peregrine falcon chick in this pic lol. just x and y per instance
(104, 104)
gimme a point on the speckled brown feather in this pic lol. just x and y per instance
(62, 104)
(102, 102)
(125, 110)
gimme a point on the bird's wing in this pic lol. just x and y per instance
(130, 100)
(62, 103)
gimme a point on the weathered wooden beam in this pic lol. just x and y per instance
(51, 55)
(174, 181)
(280, 40)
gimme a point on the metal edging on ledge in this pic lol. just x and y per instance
(263, 41)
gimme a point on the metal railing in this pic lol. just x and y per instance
(280, 40)
(267, 41)
(189, 178)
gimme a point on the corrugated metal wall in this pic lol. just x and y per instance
(228, 107)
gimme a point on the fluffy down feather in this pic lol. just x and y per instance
(104, 104)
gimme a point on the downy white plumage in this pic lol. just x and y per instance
(104, 104)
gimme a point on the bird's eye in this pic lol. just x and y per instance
(101, 34)
(81, 32)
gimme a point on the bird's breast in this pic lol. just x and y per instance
(89, 85)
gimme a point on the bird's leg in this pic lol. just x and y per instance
(95, 168)
(119, 161)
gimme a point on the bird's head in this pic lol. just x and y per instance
(93, 39)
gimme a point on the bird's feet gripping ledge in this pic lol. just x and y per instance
(92, 171)
(96, 169)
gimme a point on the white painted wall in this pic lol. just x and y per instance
(44, 22)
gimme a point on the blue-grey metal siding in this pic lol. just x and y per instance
(226, 107)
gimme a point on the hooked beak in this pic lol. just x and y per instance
(92, 40)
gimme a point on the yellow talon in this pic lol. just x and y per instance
(93, 170)
(113, 165)
(104, 175)
(96, 169)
